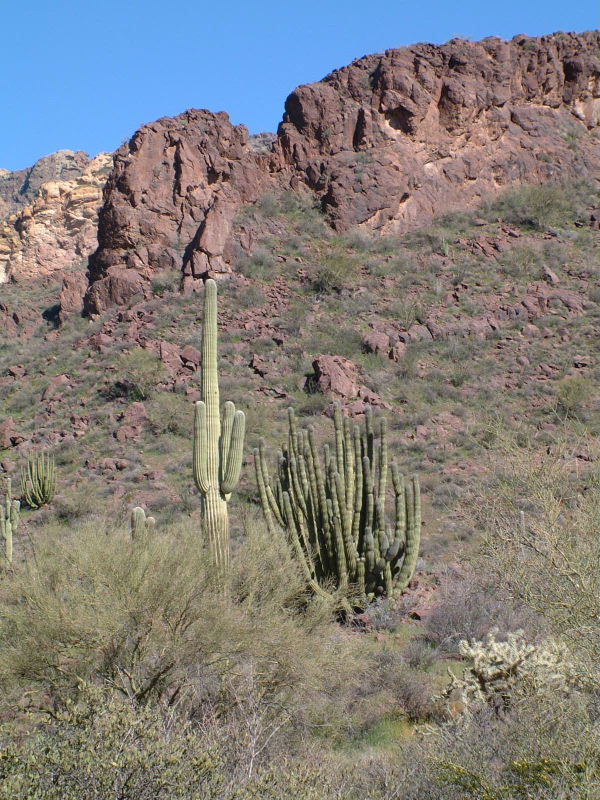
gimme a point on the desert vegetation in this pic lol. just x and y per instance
(183, 615)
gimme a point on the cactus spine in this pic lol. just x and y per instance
(140, 523)
(38, 479)
(218, 442)
(9, 521)
(334, 512)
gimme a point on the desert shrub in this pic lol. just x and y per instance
(540, 544)
(313, 404)
(419, 653)
(140, 371)
(74, 506)
(330, 335)
(148, 618)
(300, 209)
(523, 261)
(250, 297)
(168, 280)
(572, 396)
(536, 207)
(103, 746)
(269, 205)
(172, 413)
(259, 264)
(406, 312)
(543, 750)
(336, 270)
(468, 607)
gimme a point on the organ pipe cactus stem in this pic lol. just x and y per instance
(140, 523)
(413, 534)
(9, 521)
(333, 509)
(38, 479)
(218, 441)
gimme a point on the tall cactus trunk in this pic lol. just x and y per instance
(216, 527)
(218, 442)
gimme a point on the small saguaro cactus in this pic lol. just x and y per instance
(139, 523)
(218, 442)
(334, 511)
(38, 479)
(9, 521)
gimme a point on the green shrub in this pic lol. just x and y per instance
(259, 264)
(149, 619)
(102, 746)
(172, 413)
(140, 371)
(166, 281)
(537, 207)
(337, 270)
(573, 395)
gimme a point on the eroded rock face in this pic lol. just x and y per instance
(171, 200)
(393, 139)
(387, 143)
(20, 188)
(57, 229)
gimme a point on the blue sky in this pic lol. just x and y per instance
(85, 74)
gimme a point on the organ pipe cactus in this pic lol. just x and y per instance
(9, 521)
(38, 479)
(218, 441)
(140, 523)
(333, 510)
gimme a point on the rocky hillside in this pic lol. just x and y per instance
(386, 143)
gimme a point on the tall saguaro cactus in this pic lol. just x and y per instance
(334, 511)
(9, 521)
(218, 442)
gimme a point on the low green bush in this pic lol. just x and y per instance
(538, 207)
(140, 371)
(336, 270)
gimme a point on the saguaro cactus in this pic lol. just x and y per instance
(334, 512)
(139, 523)
(218, 443)
(9, 521)
(38, 479)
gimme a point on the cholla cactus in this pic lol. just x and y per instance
(140, 523)
(501, 672)
(9, 521)
(334, 510)
(38, 479)
(218, 443)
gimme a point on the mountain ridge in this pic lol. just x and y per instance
(385, 143)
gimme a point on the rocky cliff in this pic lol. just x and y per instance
(50, 214)
(386, 143)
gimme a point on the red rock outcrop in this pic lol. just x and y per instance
(393, 139)
(171, 200)
(386, 143)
